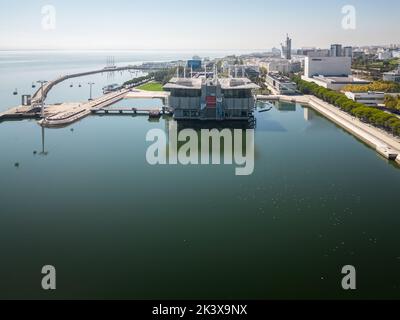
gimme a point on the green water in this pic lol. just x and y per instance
(116, 227)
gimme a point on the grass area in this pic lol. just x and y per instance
(151, 86)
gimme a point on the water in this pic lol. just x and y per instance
(116, 227)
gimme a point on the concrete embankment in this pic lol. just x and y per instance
(386, 145)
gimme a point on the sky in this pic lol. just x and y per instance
(255, 25)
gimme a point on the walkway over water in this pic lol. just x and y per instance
(37, 97)
(70, 112)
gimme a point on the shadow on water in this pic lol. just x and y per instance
(209, 125)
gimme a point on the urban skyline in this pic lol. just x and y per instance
(126, 25)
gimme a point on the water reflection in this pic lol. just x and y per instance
(43, 152)
(307, 114)
(283, 106)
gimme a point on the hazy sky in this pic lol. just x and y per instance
(194, 25)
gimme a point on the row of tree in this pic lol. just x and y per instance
(392, 102)
(162, 76)
(374, 116)
(138, 81)
(381, 86)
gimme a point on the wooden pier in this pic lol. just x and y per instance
(151, 112)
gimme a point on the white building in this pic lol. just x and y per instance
(385, 55)
(330, 72)
(278, 65)
(281, 84)
(327, 66)
(283, 65)
(335, 83)
(392, 76)
(371, 98)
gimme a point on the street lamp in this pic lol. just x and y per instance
(42, 82)
(91, 85)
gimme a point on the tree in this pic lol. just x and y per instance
(370, 115)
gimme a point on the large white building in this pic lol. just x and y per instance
(327, 66)
(281, 65)
(336, 83)
(370, 98)
(330, 72)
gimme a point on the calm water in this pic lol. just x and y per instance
(116, 227)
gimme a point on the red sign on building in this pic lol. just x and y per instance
(211, 101)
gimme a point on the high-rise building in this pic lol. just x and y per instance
(336, 50)
(348, 51)
(287, 48)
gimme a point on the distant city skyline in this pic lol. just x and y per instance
(257, 25)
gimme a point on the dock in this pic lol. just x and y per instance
(151, 112)
(75, 113)
(19, 113)
(63, 114)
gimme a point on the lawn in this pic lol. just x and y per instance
(151, 86)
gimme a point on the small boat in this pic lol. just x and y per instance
(15, 92)
(71, 85)
(80, 86)
(265, 110)
(111, 88)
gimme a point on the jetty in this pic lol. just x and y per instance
(41, 94)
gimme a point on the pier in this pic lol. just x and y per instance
(151, 112)
(66, 113)
(38, 96)
(71, 113)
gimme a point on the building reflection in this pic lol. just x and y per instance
(282, 106)
(198, 126)
(307, 114)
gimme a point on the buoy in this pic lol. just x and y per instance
(72, 129)
(35, 152)
(16, 164)
(71, 85)
(80, 86)
(15, 92)
(33, 85)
